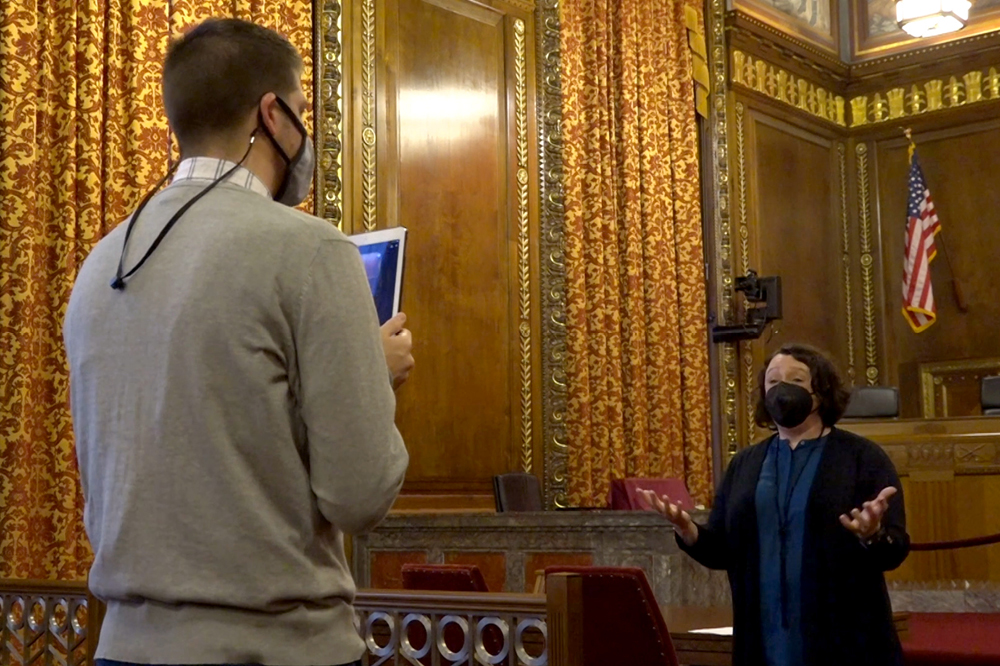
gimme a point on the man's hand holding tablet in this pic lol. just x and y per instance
(397, 342)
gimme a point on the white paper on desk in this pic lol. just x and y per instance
(717, 631)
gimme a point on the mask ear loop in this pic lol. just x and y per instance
(118, 283)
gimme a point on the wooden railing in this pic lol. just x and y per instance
(47, 623)
(470, 628)
(57, 624)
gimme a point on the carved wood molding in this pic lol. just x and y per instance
(493, 603)
(728, 372)
(553, 266)
(523, 245)
(755, 36)
(919, 99)
(846, 259)
(934, 380)
(936, 446)
(742, 224)
(867, 266)
(949, 55)
(780, 85)
(329, 96)
(369, 138)
(920, 82)
(523, 5)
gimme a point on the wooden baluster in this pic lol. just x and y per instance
(564, 605)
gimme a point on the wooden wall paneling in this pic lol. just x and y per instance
(386, 567)
(492, 565)
(445, 139)
(789, 221)
(950, 470)
(522, 238)
(960, 164)
(940, 507)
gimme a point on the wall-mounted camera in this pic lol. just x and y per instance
(763, 297)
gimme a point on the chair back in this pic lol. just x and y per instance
(625, 496)
(622, 622)
(517, 491)
(989, 395)
(873, 402)
(443, 578)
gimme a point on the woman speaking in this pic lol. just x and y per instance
(805, 522)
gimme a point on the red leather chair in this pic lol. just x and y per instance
(625, 493)
(622, 623)
(443, 578)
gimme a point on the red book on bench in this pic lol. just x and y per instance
(625, 493)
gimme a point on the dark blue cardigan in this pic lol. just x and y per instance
(845, 606)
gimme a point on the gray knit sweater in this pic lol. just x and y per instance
(233, 420)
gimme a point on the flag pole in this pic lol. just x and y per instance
(956, 285)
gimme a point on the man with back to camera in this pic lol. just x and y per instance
(233, 410)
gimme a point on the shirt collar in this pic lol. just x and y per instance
(211, 168)
(805, 443)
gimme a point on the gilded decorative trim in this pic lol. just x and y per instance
(553, 265)
(525, 5)
(867, 267)
(746, 347)
(761, 76)
(523, 244)
(819, 55)
(329, 75)
(369, 148)
(935, 95)
(929, 379)
(728, 362)
(846, 260)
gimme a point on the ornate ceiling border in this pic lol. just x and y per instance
(780, 85)
(918, 99)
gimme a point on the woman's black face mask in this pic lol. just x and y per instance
(788, 404)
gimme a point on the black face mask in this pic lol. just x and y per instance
(788, 404)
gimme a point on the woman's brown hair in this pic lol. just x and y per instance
(826, 384)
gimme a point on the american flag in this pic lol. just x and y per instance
(921, 226)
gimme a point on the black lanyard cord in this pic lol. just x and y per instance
(118, 283)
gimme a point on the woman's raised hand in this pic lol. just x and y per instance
(867, 520)
(681, 519)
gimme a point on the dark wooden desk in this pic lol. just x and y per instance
(699, 649)
(714, 650)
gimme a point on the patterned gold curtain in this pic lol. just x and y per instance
(83, 136)
(637, 358)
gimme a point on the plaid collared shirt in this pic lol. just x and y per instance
(210, 168)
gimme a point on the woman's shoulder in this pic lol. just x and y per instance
(754, 450)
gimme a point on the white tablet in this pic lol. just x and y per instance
(382, 254)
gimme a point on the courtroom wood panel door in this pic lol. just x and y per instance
(790, 222)
(452, 141)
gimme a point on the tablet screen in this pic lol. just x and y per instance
(380, 266)
(382, 256)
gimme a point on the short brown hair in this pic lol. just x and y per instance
(826, 384)
(218, 71)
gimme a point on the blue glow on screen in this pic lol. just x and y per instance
(380, 266)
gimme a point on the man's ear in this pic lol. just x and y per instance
(269, 111)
